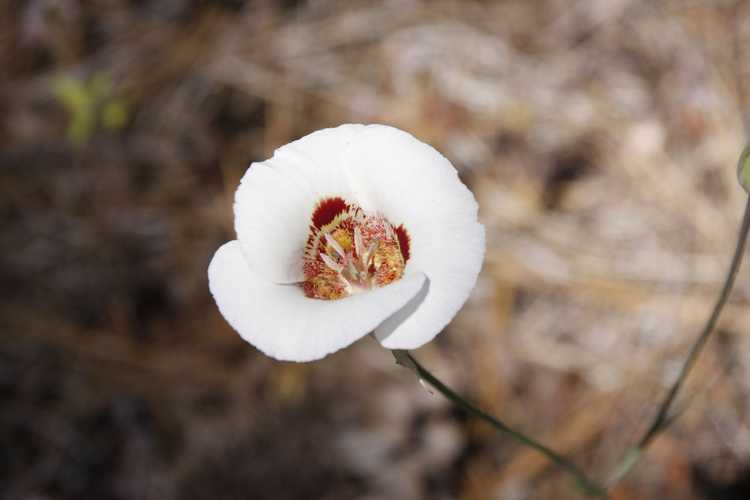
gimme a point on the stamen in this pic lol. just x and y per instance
(370, 254)
(332, 264)
(336, 246)
(359, 246)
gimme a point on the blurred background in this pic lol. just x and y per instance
(600, 139)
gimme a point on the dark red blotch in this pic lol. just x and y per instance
(403, 241)
(327, 210)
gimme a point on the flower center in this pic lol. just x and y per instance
(349, 251)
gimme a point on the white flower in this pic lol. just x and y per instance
(347, 231)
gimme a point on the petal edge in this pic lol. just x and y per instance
(284, 324)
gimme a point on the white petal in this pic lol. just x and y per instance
(412, 184)
(276, 198)
(283, 323)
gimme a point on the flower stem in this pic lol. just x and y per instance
(663, 418)
(591, 488)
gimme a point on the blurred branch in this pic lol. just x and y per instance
(590, 488)
(663, 418)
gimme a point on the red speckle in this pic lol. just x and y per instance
(327, 210)
(403, 241)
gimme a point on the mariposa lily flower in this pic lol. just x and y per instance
(348, 231)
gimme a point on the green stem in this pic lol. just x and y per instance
(663, 419)
(404, 358)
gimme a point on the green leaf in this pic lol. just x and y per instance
(743, 169)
